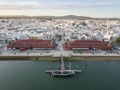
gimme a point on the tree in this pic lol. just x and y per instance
(118, 41)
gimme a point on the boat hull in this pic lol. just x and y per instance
(63, 73)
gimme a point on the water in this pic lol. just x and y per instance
(30, 75)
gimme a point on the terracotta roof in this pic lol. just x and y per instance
(32, 42)
(88, 42)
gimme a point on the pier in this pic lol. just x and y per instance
(63, 72)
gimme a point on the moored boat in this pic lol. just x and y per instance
(63, 72)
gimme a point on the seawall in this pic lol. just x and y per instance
(73, 57)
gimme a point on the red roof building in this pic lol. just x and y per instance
(87, 44)
(30, 44)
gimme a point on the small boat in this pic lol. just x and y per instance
(63, 72)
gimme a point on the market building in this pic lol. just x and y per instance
(32, 44)
(87, 44)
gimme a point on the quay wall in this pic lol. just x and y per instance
(47, 58)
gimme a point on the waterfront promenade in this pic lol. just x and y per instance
(55, 55)
(39, 55)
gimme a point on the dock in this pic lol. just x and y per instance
(63, 72)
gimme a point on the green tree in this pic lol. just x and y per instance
(118, 41)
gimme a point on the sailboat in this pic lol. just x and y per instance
(63, 72)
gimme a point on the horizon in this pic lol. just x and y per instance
(57, 16)
(87, 8)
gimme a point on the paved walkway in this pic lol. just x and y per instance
(55, 53)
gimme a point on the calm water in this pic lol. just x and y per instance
(29, 75)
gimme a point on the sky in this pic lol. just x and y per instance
(92, 8)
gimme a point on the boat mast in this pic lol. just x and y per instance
(70, 66)
(62, 63)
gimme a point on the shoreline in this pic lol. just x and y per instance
(54, 58)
